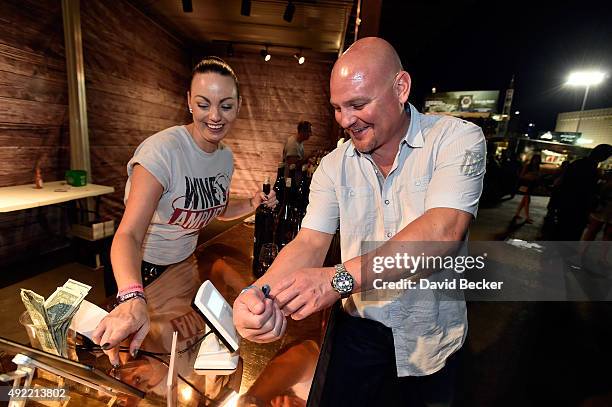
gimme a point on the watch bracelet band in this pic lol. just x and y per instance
(340, 268)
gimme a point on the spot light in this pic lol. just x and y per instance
(289, 11)
(187, 6)
(245, 8)
(265, 54)
(300, 58)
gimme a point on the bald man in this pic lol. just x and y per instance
(403, 177)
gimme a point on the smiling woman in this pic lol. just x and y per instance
(214, 101)
(178, 181)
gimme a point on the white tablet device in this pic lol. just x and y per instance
(218, 315)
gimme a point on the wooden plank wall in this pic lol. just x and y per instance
(33, 119)
(127, 105)
(136, 81)
(33, 93)
(276, 96)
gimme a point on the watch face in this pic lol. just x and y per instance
(343, 282)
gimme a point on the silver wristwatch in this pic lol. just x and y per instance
(342, 281)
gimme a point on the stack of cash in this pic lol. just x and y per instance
(52, 317)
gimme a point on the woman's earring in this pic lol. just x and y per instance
(190, 110)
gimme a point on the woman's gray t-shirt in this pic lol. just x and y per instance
(196, 190)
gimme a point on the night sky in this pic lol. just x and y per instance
(479, 45)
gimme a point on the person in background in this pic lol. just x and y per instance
(576, 194)
(528, 179)
(403, 178)
(178, 181)
(492, 184)
(550, 224)
(510, 171)
(600, 218)
(293, 152)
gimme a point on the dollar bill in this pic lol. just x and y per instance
(62, 304)
(52, 317)
(77, 286)
(34, 304)
(61, 307)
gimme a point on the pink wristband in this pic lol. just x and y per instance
(133, 287)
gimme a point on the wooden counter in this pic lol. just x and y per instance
(266, 373)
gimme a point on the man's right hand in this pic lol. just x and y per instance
(130, 317)
(257, 318)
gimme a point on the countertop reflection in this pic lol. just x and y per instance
(278, 373)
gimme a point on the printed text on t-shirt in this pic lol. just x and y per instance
(204, 199)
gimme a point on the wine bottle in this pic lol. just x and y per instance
(264, 228)
(303, 191)
(285, 225)
(279, 185)
(266, 186)
(38, 181)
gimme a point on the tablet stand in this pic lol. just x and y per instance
(26, 366)
(214, 357)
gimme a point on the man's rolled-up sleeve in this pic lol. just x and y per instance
(322, 213)
(459, 169)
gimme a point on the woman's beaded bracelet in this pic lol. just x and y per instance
(133, 287)
(128, 296)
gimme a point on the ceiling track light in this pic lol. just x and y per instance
(245, 8)
(187, 6)
(265, 54)
(289, 11)
(300, 58)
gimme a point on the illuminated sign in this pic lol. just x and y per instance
(471, 101)
(565, 137)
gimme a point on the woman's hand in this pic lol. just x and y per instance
(130, 317)
(269, 200)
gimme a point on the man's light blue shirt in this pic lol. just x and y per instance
(440, 164)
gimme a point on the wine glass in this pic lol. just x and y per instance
(267, 254)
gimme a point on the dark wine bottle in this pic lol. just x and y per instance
(279, 185)
(284, 224)
(303, 191)
(264, 228)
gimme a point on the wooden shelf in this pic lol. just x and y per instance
(26, 196)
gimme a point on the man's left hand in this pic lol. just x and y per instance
(305, 292)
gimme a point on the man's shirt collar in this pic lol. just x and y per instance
(413, 137)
